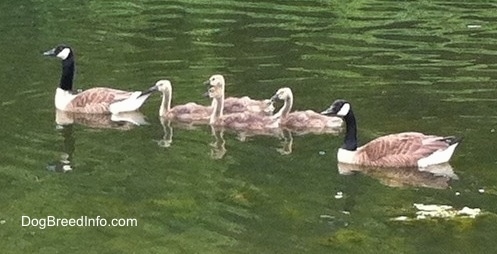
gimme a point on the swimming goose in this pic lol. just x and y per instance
(406, 149)
(243, 120)
(98, 100)
(302, 120)
(243, 104)
(190, 112)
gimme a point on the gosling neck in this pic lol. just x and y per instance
(218, 106)
(67, 76)
(287, 107)
(166, 102)
(350, 142)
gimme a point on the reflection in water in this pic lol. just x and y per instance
(167, 139)
(218, 149)
(66, 120)
(283, 134)
(121, 121)
(63, 164)
(435, 176)
(287, 143)
(316, 131)
(243, 135)
(218, 145)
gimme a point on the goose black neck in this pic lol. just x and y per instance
(67, 74)
(350, 142)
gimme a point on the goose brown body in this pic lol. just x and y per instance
(96, 100)
(246, 104)
(401, 149)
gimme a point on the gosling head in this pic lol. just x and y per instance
(282, 94)
(338, 108)
(61, 51)
(163, 86)
(215, 80)
(215, 92)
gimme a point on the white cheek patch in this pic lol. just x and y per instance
(344, 110)
(64, 53)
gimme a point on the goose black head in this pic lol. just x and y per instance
(61, 51)
(338, 108)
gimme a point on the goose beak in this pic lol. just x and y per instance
(207, 82)
(206, 94)
(328, 112)
(274, 98)
(49, 52)
(149, 91)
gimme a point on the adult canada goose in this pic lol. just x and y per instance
(302, 120)
(243, 120)
(406, 149)
(190, 112)
(98, 100)
(243, 104)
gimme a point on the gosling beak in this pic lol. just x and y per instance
(274, 98)
(328, 112)
(49, 52)
(206, 94)
(149, 91)
(207, 82)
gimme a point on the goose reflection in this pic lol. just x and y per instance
(63, 164)
(167, 138)
(286, 143)
(121, 121)
(283, 134)
(436, 176)
(218, 146)
(65, 124)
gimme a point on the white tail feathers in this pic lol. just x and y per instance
(133, 103)
(438, 157)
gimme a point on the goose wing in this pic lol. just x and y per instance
(249, 121)
(191, 112)
(245, 103)
(311, 119)
(96, 100)
(402, 149)
(234, 105)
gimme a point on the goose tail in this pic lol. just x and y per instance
(133, 103)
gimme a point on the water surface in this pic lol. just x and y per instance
(428, 66)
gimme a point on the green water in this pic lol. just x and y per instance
(428, 66)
